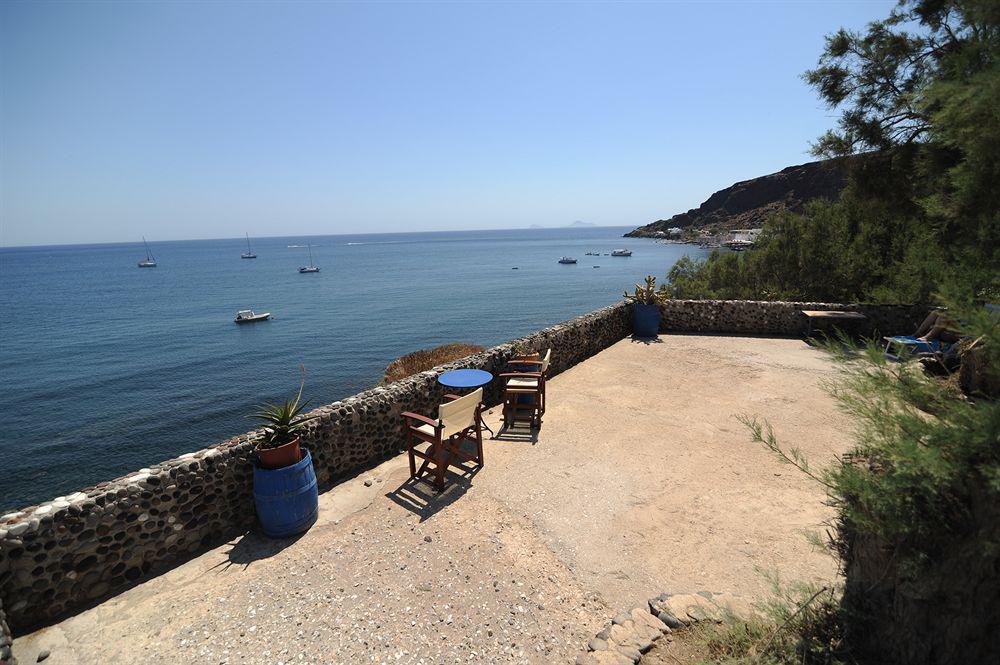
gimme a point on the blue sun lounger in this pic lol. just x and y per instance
(914, 348)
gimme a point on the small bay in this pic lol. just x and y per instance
(107, 367)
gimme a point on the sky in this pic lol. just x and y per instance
(185, 120)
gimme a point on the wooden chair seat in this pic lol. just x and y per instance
(522, 384)
(426, 430)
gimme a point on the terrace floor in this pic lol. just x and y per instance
(641, 481)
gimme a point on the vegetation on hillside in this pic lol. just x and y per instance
(920, 218)
(425, 359)
(926, 461)
(919, 96)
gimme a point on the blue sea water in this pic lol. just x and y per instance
(107, 367)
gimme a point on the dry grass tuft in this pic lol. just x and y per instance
(425, 359)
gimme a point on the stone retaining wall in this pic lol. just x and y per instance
(61, 555)
(755, 317)
(6, 640)
(944, 611)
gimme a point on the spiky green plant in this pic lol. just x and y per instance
(283, 421)
(646, 295)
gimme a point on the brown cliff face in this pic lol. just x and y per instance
(748, 203)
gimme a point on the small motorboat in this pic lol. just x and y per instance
(622, 252)
(567, 259)
(250, 316)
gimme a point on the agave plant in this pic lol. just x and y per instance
(283, 421)
(648, 294)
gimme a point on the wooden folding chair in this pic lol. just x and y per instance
(458, 420)
(524, 392)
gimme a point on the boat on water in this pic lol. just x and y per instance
(567, 259)
(310, 267)
(249, 253)
(622, 252)
(149, 261)
(250, 316)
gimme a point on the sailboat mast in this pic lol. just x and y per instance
(248, 242)
(148, 257)
(310, 256)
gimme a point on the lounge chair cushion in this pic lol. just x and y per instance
(914, 346)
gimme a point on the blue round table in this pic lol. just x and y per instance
(467, 378)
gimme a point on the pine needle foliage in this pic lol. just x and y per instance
(923, 450)
(919, 101)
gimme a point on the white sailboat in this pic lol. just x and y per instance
(149, 262)
(249, 253)
(310, 267)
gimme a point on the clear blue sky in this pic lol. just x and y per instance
(205, 120)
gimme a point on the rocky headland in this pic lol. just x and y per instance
(749, 203)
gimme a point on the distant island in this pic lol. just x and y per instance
(746, 204)
(576, 224)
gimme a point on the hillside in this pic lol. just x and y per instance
(748, 203)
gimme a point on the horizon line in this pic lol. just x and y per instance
(314, 235)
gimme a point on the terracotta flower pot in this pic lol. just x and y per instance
(280, 457)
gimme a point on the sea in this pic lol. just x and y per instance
(106, 367)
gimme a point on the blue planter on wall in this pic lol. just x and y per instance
(287, 499)
(645, 320)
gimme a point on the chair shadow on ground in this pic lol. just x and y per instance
(422, 498)
(254, 546)
(516, 434)
(635, 339)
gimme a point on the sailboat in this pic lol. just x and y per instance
(249, 253)
(150, 262)
(310, 267)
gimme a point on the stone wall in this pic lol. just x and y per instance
(77, 549)
(753, 317)
(6, 640)
(945, 611)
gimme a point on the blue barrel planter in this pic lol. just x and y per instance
(645, 320)
(287, 499)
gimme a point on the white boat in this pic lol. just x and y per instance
(250, 316)
(310, 267)
(149, 261)
(567, 259)
(249, 253)
(622, 252)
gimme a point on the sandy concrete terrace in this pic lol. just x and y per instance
(640, 481)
